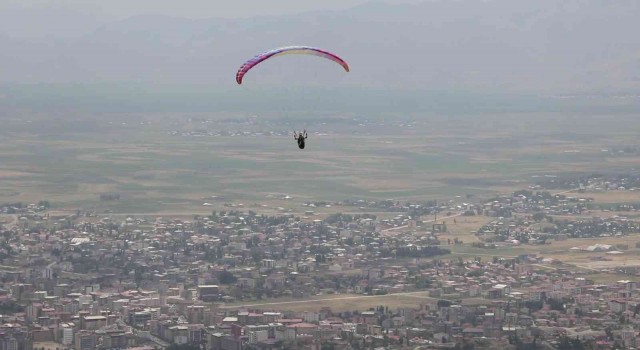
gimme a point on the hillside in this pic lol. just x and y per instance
(500, 45)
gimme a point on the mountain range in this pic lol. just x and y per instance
(542, 46)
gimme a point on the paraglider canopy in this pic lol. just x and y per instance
(302, 50)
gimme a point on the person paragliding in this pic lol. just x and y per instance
(300, 138)
(289, 50)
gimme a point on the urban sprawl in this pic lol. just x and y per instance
(546, 267)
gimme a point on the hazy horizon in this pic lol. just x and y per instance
(63, 17)
(193, 9)
(548, 47)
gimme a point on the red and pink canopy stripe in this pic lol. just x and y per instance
(305, 50)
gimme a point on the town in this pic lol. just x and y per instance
(528, 270)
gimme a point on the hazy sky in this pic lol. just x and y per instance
(110, 9)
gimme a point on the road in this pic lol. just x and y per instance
(430, 220)
(408, 294)
(163, 344)
(553, 194)
(460, 213)
(207, 211)
(479, 254)
(15, 219)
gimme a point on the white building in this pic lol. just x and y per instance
(258, 336)
(67, 334)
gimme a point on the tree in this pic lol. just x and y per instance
(183, 347)
(555, 304)
(565, 344)
(609, 333)
(444, 303)
(475, 273)
(636, 310)
(226, 277)
(533, 305)
(577, 344)
(539, 216)
(10, 307)
(328, 346)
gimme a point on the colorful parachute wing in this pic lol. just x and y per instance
(304, 50)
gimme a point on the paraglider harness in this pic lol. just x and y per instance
(300, 138)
